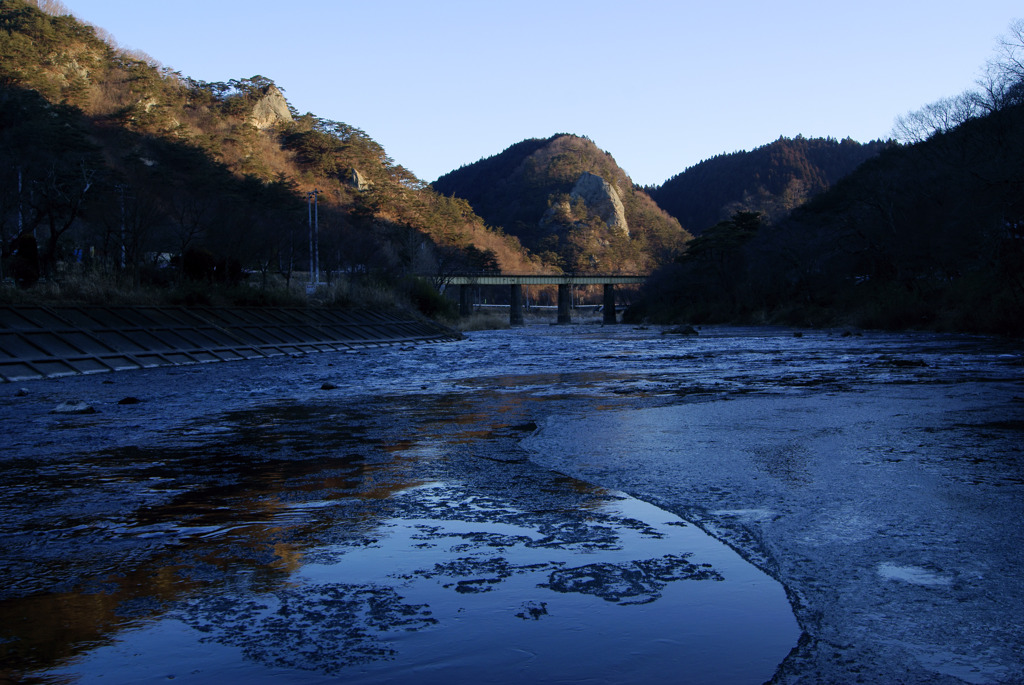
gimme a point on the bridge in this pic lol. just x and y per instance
(564, 282)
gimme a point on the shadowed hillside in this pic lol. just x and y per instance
(929, 235)
(925, 235)
(771, 180)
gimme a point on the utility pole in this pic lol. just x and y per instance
(124, 249)
(21, 221)
(316, 234)
(309, 213)
(313, 210)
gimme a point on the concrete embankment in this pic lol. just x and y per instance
(57, 340)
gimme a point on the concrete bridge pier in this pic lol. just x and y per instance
(515, 314)
(609, 303)
(465, 300)
(564, 303)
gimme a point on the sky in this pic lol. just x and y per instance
(659, 84)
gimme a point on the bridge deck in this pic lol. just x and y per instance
(545, 279)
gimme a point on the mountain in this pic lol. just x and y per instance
(570, 203)
(771, 180)
(110, 162)
(928, 235)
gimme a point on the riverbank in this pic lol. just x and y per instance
(38, 341)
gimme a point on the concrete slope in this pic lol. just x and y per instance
(57, 340)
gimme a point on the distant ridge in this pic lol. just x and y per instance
(772, 180)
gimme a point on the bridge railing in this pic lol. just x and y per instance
(545, 279)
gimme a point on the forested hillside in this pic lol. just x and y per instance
(114, 166)
(569, 203)
(771, 180)
(925, 235)
(118, 171)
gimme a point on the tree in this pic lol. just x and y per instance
(1001, 85)
(131, 212)
(937, 117)
(191, 207)
(25, 260)
(715, 261)
(56, 165)
(1009, 60)
(58, 200)
(52, 7)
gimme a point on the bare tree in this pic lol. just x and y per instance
(937, 117)
(54, 8)
(1010, 52)
(1000, 85)
(1002, 77)
(191, 209)
(57, 203)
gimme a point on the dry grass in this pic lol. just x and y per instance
(81, 289)
(482, 321)
(345, 293)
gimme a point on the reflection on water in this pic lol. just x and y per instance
(453, 585)
(402, 541)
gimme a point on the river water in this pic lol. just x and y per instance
(551, 504)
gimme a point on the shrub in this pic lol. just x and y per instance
(427, 300)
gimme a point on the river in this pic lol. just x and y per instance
(550, 504)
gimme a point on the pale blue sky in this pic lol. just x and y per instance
(660, 85)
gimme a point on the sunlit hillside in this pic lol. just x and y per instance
(571, 204)
(114, 163)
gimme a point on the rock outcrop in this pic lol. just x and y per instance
(602, 199)
(357, 180)
(270, 110)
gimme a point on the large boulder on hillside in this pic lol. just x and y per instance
(270, 110)
(602, 199)
(357, 180)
